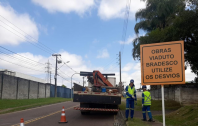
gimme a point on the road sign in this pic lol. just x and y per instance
(162, 63)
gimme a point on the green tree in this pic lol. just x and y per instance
(156, 16)
(64, 86)
(164, 25)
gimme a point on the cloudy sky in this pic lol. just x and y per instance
(87, 33)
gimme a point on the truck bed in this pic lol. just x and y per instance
(97, 97)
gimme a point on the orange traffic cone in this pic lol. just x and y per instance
(63, 117)
(22, 122)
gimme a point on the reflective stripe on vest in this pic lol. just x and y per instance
(130, 91)
(147, 98)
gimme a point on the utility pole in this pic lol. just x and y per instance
(55, 77)
(83, 82)
(50, 77)
(48, 71)
(120, 65)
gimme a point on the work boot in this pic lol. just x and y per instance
(151, 120)
(144, 120)
(126, 119)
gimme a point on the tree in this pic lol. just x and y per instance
(64, 86)
(156, 16)
(178, 24)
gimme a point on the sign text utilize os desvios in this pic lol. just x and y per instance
(162, 63)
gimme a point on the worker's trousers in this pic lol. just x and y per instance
(129, 106)
(144, 109)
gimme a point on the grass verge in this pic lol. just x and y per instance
(156, 105)
(122, 106)
(136, 122)
(185, 116)
(11, 105)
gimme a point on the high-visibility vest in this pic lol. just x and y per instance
(131, 91)
(147, 98)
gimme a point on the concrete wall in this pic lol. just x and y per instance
(178, 94)
(9, 87)
(33, 90)
(182, 94)
(189, 95)
(0, 84)
(41, 90)
(13, 87)
(23, 86)
(47, 90)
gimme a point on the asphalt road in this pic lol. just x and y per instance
(50, 116)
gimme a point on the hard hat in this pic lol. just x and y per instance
(144, 87)
(131, 81)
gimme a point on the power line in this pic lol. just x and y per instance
(20, 65)
(65, 74)
(69, 66)
(19, 36)
(17, 58)
(113, 68)
(32, 61)
(22, 56)
(125, 25)
(48, 72)
(63, 78)
(110, 63)
(27, 34)
(29, 39)
(25, 39)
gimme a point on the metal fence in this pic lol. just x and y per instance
(61, 92)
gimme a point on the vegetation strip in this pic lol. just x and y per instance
(22, 104)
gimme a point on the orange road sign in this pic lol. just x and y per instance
(162, 63)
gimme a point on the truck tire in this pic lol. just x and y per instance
(85, 112)
(115, 113)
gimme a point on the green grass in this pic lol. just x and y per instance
(10, 105)
(185, 116)
(156, 105)
(136, 122)
(122, 106)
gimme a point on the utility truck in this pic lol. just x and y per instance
(102, 93)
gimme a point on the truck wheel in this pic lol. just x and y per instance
(83, 113)
(115, 113)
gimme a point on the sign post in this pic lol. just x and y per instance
(162, 64)
(163, 106)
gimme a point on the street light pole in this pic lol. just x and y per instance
(71, 83)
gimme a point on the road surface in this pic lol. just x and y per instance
(50, 116)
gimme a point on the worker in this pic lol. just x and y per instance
(130, 99)
(146, 103)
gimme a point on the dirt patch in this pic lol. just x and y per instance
(120, 119)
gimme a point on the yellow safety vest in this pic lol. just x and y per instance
(131, 91)
(147, 98)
